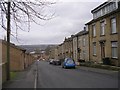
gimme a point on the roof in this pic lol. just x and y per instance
(104, 4)
(68, 39)
(100, 6)
(102, 17)
(83, 32)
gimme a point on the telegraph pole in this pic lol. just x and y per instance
(8, 40)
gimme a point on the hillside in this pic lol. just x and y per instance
(31, 48)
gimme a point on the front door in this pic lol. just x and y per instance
(102, 50)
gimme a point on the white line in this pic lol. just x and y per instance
(35, 83)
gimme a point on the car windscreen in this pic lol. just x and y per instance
(69, 61)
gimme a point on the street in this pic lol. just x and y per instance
(50, 76)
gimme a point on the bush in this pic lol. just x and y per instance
(81, 61)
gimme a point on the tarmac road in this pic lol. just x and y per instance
(50, 76)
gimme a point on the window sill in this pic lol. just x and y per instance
(102, 35)
(95, 55)
(94, 36)
(114, 58)
(113, 33)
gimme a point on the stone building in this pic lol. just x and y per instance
(104, 33)
(83, 46)
(68, 47)
(75, 45)
(60, 55)
(54, 53)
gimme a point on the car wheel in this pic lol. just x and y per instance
(74, 67)
(65, 67)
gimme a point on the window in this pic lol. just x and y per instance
(113, 25)
(102, 28)
(103, 11)
(83, 41)
(79, 42)
(95, 15)
(114, 6)
(84, 54)
(94, 48)
(86, 27)
(114, 49)
(111, 8)
(107, 8)
(93, 30)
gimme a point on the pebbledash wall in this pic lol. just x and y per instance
(19, 60)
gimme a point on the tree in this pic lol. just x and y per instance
(23, 13)
(15, 14)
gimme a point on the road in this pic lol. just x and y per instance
(50, 76)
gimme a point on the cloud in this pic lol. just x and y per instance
(69, 19)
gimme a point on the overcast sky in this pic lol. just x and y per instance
(70, 17)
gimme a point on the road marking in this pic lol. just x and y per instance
(36, 71)
(35, 83)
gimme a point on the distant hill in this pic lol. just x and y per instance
(31, 48)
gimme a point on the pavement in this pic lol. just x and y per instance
(50, 76)
(23, 79)
(100, 71)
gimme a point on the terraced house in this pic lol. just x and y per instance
(81, 46)
(68, 47)
(104, 33)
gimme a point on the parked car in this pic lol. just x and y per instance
(51, 61)
(57, 62)
(68, 63)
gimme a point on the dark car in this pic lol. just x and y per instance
(51, 61)
(57, 62)
(68, 63)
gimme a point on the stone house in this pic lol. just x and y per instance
(75, 49)
(104, 33)
(83, 46)
(68, 47)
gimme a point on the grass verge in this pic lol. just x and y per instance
(13, 75)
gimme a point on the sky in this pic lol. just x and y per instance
(70, 18)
